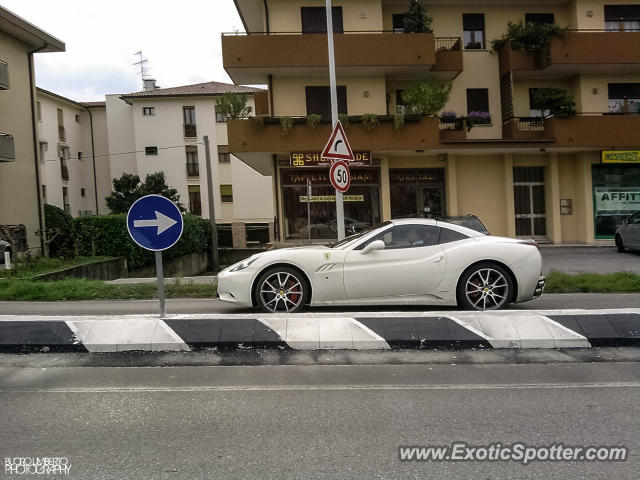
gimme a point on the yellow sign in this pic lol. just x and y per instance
(332, 198)
(620, 156)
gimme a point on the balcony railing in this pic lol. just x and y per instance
(190, 130)
(64, 171)
(448, 43)
(193, 170)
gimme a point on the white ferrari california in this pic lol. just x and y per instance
(399, 262)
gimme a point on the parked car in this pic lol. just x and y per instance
(628, 234)
(4, 247)
(469, 221)
(400, 262)
(330, 230)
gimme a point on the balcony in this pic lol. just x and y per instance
(193, 169)
(249, 59)
(255, 147)
(190, 130)
(596, 130)
(453, 130)
(525, 129)
(576, 52)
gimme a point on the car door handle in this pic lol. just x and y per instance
(438, 259)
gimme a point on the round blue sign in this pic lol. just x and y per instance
(155, 222)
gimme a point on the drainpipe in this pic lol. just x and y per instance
(36, 150)
(93, 155)
(277, 192)
(266, 15)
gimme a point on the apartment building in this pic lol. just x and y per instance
(20, 200)
(561, 180)
(70, 133)
(162, 129)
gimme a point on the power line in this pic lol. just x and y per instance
(122, 153)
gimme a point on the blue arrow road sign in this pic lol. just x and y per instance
(154, 222)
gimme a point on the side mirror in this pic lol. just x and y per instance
(375, 245)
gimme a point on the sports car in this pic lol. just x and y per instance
(399, 262)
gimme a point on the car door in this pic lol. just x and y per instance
(632, 232)
(412, 263)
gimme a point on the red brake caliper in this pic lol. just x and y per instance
(293, 295)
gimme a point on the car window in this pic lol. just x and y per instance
(635, 219)
(447, 236)
(406, 236)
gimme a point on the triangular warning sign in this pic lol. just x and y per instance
(338, 147)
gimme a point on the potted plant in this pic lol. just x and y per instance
(531, 37)
(452, 126)
(370, 121)
(477, 118)
(287, 124)
(556, 101)
(398, 121)
(426, 97)
(314, 120)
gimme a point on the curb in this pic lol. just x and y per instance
(353, 331)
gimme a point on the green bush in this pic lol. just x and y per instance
(58, 232)
(559, 102)
(107, 235)
(426, 97)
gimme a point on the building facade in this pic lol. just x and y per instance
(20, 172)
(561, 180)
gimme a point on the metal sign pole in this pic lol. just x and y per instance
(309, 197)
(334, 111)
(160, 275)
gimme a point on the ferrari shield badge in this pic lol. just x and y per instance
(327, 255)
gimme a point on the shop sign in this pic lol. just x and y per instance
(620, 156)
(620, 199)
(321, 177)
(416, 175)
(332, 198)
(314, 159)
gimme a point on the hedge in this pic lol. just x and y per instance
(107, 235)
(58, 225)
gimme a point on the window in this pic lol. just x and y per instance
(533, 110)
(400, 106)
(39, 111)
(406, 236)
(65, 200)
(77, 118)
(624, 97)
(195, 205)
(44, 193)
(82, 191)
(314, 19)
(148, 111)
(478, 105)
(225, 236)
(61, 132)
(539, 18)
(43, 149)
(151, 150)
(257, 233)
(473, 26)
(226, 193)
(447, 236)
(398, 22)
(319, 100)
(221, 117)
(625, 18)
(223, 154)
(193, 168)
(79, 155)
(189, 114)
(64, 170)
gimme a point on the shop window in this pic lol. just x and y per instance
(539, 18)
(318, 100)
(615, 190)
(624, 97)
(257, 233)
(226, 193)
(473, 26)
(622, 18)
(314, 19)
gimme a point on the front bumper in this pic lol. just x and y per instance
(539, 288)
(235, 287)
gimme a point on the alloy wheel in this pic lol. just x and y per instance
(487, 289)
(281, 292)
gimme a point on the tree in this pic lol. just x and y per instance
(128, 188)
(556, 100)
(417, 20)
(233, 105)
(427, 97)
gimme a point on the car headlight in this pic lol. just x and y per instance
(244, 264)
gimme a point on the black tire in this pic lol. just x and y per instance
(485, 286)
(619, 244)
(282, 289)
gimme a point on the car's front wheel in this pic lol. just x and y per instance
(619, 244)
(281, 289)
(485, 286)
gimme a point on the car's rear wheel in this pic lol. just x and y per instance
(619, 244)
(485, 286)
(281, 289)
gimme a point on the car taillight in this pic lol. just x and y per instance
(533, 243)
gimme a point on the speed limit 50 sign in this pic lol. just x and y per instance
(340, 176)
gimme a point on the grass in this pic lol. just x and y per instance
(47, 265)
(620, 282)
(81, 289)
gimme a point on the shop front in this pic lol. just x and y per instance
(361, 202)
(417, 192)
(616, 190)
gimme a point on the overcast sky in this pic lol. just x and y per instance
(181, 40)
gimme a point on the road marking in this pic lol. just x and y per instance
(289, 388)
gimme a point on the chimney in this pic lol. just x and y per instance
(149, 84)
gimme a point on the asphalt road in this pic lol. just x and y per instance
(588, 260)
(315, 421)
(185, 306)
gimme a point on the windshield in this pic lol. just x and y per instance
(351, 238)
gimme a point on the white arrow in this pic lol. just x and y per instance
(162, 222)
